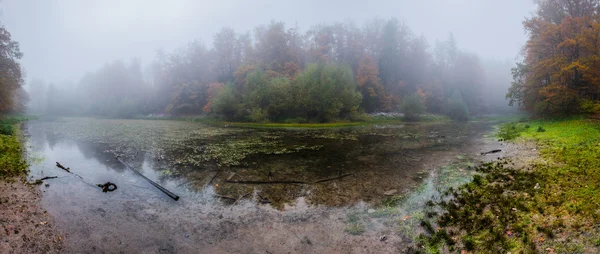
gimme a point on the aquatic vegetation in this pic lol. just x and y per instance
(233, 152)
(509, 209)
(198, 153)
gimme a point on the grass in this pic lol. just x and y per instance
(529, 210)
(11, 149)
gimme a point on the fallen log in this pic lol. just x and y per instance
(289, 182)
(225, 197)
(333, 178)
(267, 182)
(492, 151)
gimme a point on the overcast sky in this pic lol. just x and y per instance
(63, 39)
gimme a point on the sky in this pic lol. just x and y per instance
(64, 39)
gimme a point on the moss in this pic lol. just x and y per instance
(355, 228)
(507, 209)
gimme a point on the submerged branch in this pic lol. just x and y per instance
(290, 182)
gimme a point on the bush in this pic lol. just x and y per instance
(589, 107)
(11, 156)
(6, 129)
(413, 106)
(326, 93)
(456, 108)
(227, 103)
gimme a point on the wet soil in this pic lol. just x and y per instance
(25, 227)
(215, 216)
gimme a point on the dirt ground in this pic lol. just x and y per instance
(26, 227)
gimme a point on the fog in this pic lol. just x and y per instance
(64, 40)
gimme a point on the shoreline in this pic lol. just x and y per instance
(26, 226)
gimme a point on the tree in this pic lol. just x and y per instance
(413, 106)
(456, 108)
(11, 77)
(228, 53)
(275, 46)
(326, 93)
(373, 93)
(392, 59)
(561, 59)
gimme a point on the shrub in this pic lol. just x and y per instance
(227, 103)
(6, 129)
(326, 92)
(11, 159)
(413, 106)
(589, 106)
(559, 101)
(456, 108)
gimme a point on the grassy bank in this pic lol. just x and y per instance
(550, 207)
(11, 149)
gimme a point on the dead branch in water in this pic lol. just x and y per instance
(46, 178)
(267, 182)
(333, 178)
(63, 167)
(41, 180)
(290, 182)
(215, 176)
(243, 196)
(492, 151)
(225, 197)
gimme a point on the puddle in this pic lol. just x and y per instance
(199, 163)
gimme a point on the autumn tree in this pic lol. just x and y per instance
(11, 77)
(367, 78)
(562, 57)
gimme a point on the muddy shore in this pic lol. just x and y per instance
(25, 226)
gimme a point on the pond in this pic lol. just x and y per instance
(244, 190)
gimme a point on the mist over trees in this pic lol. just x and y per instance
(559, 74)
(277, 73)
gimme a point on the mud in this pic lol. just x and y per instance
(407, 163)
(25, 227)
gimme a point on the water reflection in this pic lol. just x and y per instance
(378, 159)
(139, 218)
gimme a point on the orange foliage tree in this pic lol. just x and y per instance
(562, 58)
(367, 78)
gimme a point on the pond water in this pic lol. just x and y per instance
(244, 190)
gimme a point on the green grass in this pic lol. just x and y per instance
(523, 210)
(12, 162)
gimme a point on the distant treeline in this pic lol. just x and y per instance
(560, 74)
(278, 73)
